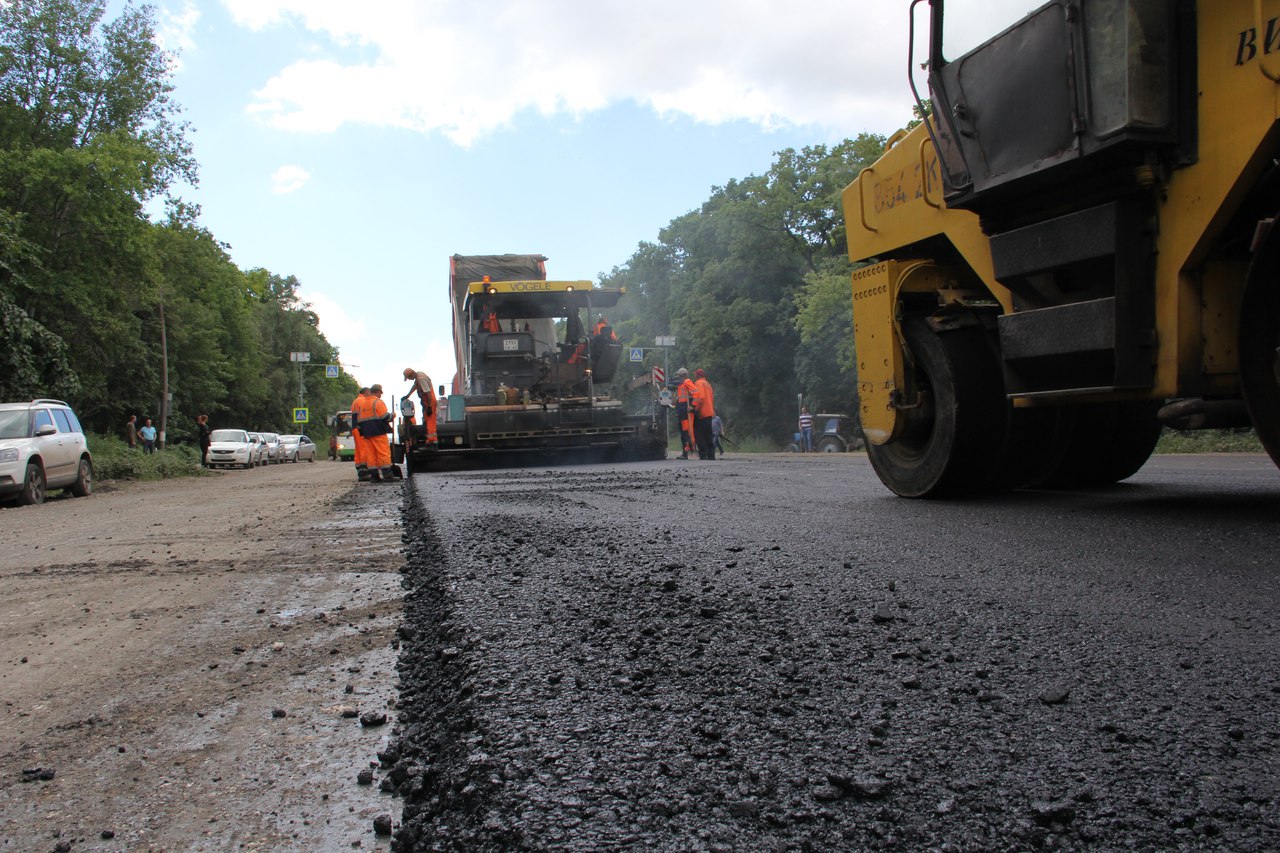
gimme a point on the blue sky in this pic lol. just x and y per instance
(358, 145)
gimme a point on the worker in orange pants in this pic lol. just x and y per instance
(686, 402)
(362, 465)
(427, 397)
(374, 422)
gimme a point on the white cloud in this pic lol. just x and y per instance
(338, 327)
(465, 69)
(372, 351)
(289, 179)
(175, 31)
(384, 361)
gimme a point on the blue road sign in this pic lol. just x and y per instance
(331, 371)
(300, 416)
(637, 354)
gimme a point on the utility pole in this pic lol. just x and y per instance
(164, 369)
(665, 343)
(301, 359)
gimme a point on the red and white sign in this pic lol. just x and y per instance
(659, 376)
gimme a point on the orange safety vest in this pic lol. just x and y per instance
(490, 323)
(360, 455)
(705, 406)
(370, 414)
(354, 404)
(687, 393)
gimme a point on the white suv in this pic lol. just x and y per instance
(42, 447)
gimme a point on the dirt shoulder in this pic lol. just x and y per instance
(191, 660)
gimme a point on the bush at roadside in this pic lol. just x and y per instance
(114, 460)
(1209, 441)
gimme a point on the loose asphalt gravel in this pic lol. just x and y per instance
(775, 654)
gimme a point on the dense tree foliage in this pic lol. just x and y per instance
(755, 287)
(94, 295)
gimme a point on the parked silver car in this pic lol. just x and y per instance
(296, 447)
(42, 447)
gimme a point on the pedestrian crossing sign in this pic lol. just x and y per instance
(300, 416)
(331, 371)
(637, 354)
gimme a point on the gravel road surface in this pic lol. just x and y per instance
(179, 660)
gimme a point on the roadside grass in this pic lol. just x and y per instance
(1209, 441)
(737, 444)
(113, 460)
(752, 444)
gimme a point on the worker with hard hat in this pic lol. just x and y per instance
(686, 401)
(374, 422)
(362, 466)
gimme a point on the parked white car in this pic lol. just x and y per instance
(231, 448)
(261, 456)
(295, 447)
(274, 451)
(42, 447)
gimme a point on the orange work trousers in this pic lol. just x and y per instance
(376, 451)
(430, 420)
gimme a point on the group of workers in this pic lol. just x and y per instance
(372, 421)
(371, 427)
(696, 409)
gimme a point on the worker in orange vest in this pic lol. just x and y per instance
(704, 410)
(427, 396)
(374, 421)
(489, 320)
(686, 399)
(604, 324)
(362, 465)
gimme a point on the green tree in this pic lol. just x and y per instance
(68, 80)
(93, 296)
(88, 134)
(825, 364)
(731, 278)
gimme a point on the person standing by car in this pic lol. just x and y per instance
(131, 431)
(704, 410)
(806, 430)
(148, 436)
(202, 425)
